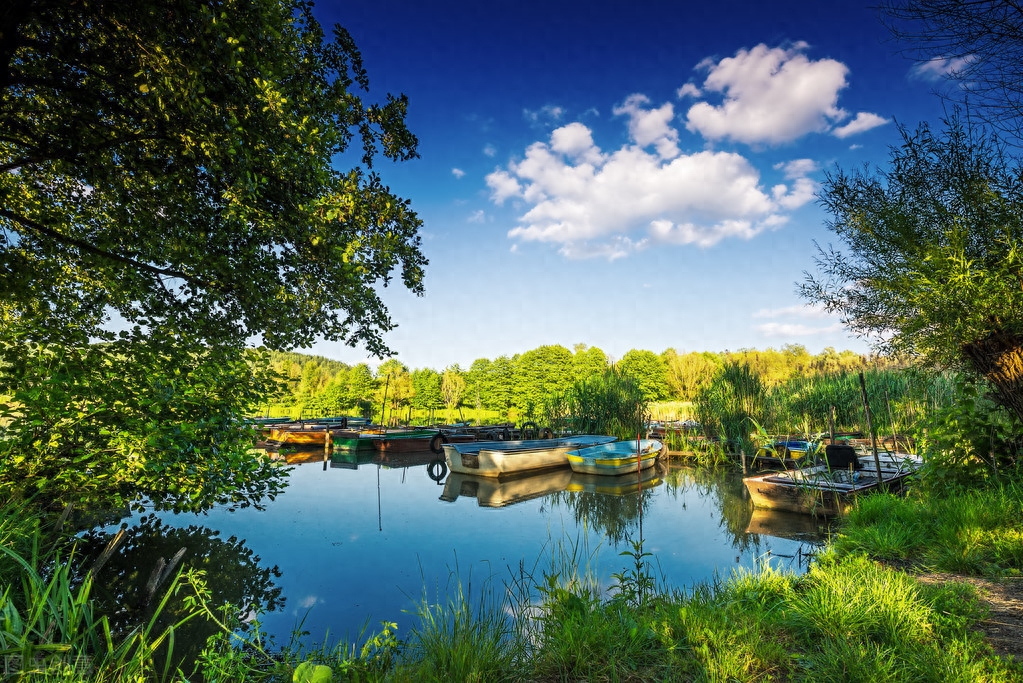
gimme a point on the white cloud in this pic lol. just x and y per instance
(688, 90)
(797, 168)
(477, 217)
(864, 121)
(796, 330)
(855, 147)
(457, 172)
(590, 202)
(650, 126)
(940, 67)
(771, 95)
(502, 186)
(548, 114)
(799, 310)
(490, 150)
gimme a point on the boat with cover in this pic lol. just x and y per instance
(832, 487)
(620, 457)
(502, 458)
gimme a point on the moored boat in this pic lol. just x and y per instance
(502, 458)
(620, 457)
(823, 490)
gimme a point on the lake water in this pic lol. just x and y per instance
(353, 543)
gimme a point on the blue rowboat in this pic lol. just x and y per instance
(620, 457)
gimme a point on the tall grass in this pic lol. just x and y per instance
(609, 403)
(728, 407)
(899, 400)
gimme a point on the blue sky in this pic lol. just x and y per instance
(625, 174)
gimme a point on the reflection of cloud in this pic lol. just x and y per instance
(310, 601)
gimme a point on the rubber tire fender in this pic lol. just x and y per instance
(437, 443)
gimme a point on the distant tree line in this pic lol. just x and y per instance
(518, 386)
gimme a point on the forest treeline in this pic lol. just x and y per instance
(518, 386)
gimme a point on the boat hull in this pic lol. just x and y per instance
(507, 458)
(614, 459)
(817, 491)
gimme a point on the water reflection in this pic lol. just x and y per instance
(610, 505)
(126, 586)
(491, 492)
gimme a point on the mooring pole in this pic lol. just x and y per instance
(870, 429)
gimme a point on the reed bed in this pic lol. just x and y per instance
(609, 403)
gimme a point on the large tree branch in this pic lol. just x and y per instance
(41, 229)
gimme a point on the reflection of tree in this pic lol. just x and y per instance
(123, 591)
(611, 514)
(728, 493)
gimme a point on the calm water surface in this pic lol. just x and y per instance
(355, 543)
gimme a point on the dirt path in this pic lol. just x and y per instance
(1004, 598)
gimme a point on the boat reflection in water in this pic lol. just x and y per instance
(619, 485)
(793, 526)
(491, 492)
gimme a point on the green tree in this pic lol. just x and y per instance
(932, 264)
(174, 164)
(687, 374)
(453, 387)
(426, 387)
(648, 370)
(540, 373)
(587, 361)
(394, 388)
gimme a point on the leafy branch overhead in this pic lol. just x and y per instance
(174, 161)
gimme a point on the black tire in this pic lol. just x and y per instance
(530, 430)
(505, 434)
(437, 443)
(546, 433)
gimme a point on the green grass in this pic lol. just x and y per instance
(973, 532)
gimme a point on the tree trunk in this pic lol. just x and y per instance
(999, 357)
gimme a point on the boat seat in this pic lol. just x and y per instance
(841, 457)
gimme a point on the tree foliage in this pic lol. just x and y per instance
(931, 264)
(171, 160)
(172, 163)
(649, 371)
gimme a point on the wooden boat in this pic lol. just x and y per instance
(301, 433)
(620, 457)
(494, 492)
(408, 441)
(615, 485)
(502, 458)
(824, 491)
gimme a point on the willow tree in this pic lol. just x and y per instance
(170, 165)
(930, 263)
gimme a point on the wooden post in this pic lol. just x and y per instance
(870, 429)
(742, 455)
(831, 424)
(328, 443)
